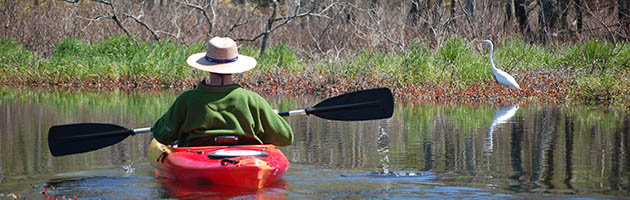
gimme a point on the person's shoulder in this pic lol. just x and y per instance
(247, 93)
(187, 94)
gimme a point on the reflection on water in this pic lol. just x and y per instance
(439, 151)
(192, 190)
(504, 114)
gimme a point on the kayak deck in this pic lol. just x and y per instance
(251, 166)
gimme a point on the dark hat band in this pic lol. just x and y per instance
(221, 61)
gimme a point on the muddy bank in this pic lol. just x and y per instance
(546, 87)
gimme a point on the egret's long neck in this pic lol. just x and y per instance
(494, 69)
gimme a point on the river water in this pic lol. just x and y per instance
(424, 151)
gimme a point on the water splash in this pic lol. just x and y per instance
(390, 174)
(383, 149)
(383, 143)
(128, 168)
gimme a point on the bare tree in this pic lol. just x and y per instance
(547, 17)
(274, 16)
(509, 9)
(578, 18)
(329, 29)
(373, 7)
(138, 19)
(209, 4)
(112, 15)
(417, 6)
(563, 8)
(452, 14)
(470, 7)
(520, 11)
(436, 15)
(624, 14)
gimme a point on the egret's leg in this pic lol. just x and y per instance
(496, 81)
(497, 84)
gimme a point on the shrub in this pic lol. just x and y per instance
(590, 56)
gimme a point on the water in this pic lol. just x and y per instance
(424, 151)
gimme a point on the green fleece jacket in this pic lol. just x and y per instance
(221, 110)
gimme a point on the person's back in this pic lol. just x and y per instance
(204, 115)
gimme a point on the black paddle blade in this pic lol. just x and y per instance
(360, 105)
(78, 138)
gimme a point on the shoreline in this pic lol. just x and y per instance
(554, 87)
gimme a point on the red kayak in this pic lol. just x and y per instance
(250, 166)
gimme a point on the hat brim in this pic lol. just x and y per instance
(243, 64)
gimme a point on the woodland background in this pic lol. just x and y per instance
(330, 29)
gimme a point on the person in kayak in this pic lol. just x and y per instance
(219, 111)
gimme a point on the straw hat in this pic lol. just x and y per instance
(221, 57)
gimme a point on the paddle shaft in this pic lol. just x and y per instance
(109, 134)
(337, 108)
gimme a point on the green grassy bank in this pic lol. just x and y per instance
(594, 72)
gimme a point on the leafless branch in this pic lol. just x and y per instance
(179, 30)
(328, 26)
(112, 16)
(103, 2)
(285, 20)
(238, 21)
(138, 19)
(115, 18)
(202, 9)
(470, 23)
(97, 18)
(97, 1)
(588, 9)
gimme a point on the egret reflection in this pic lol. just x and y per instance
(502, 115)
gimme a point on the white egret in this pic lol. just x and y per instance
(504, 114)
(499, 75)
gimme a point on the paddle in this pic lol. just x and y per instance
(354, 106)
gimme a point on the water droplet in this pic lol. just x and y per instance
(128, 168)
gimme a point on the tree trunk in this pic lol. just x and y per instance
(624, 13)
(547, 17)
(521, 15)
(578, 11)
(509, 9)
(453, 7)
(563, 8)
(435, 9)
(267, 34)
(470, 7)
